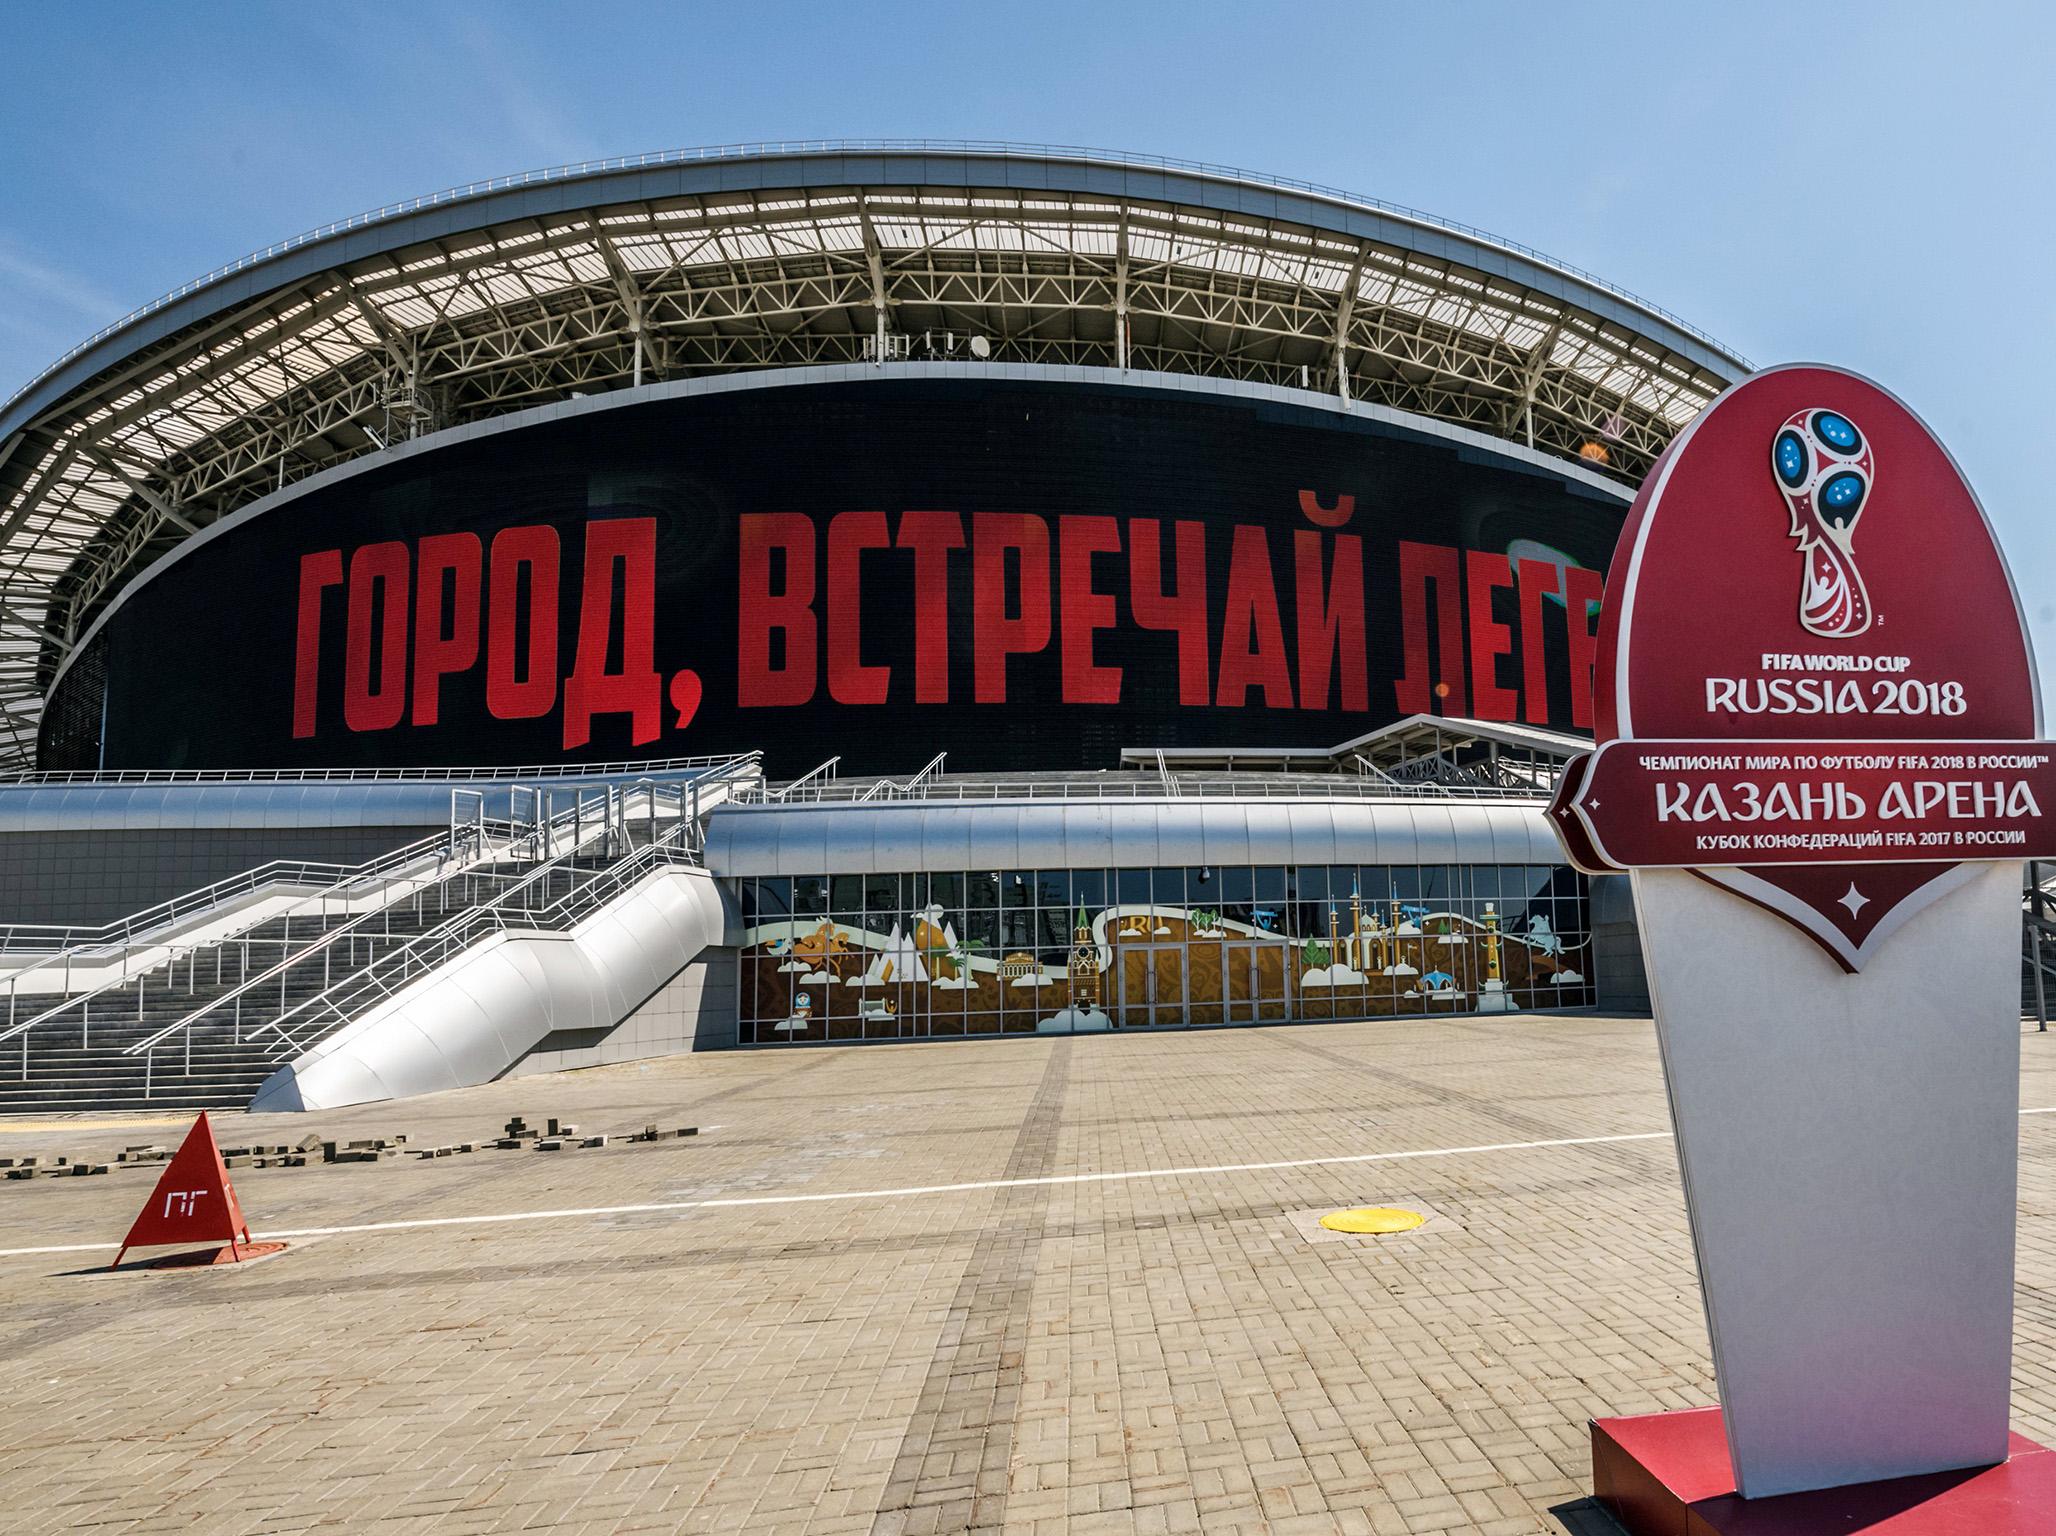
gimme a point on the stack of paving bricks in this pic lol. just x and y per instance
(371, 1151)
(454, 1149)
(651, 1133)
(558, 1136)
(32, 1166)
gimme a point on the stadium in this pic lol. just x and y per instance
(805, 594)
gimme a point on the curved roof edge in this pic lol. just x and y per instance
(839, 162)
(884, 838)
(1515, 455)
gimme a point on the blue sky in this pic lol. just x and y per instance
(1872, 185)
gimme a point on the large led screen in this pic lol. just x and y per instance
(1025, 574)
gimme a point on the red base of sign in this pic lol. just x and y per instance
(207, 1258)
(1667, 1474)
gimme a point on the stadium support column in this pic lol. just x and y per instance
(1343, 310)
(630, 295)
(1532, 377)
(877, 265)
(1121, 296)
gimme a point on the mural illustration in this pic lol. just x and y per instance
(910, 956)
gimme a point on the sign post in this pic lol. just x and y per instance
(1818, 755)
(192, 1203)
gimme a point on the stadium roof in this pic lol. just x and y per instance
(526, 289)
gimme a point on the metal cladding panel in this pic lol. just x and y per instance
(1510, 841)
(1132, 835)
(1180, 832)
(995, 837)
(324, 800)
(1270, 830)
(1042, 838)
(182, 811)
(1106, 181)
(946, 839)
(742, 843)
(1088, 837)
(848, 843)
(802, 843)
(1224, 834)
(896, 839)
(1437, 842)
(282, 810)
(864, 839)
(1374, 834)
(145, 808)
(1543, 847)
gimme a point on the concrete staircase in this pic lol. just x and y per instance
(151, 1040)
(79, 1059)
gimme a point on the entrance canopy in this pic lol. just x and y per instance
(1418, 750)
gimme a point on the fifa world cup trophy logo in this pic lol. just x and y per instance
(1824, 468)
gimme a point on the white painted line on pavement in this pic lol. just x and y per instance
(904, 1191)
(900, 1192)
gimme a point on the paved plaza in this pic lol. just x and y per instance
(1046, 1285)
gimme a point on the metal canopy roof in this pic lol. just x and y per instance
(920, 835)
(1404, 740)
(517, 292)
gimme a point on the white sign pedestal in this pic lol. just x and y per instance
(1849, 1147)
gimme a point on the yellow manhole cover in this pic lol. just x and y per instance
(1373, 1220)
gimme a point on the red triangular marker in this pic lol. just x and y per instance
(193, 1202)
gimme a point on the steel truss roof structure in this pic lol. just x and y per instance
(518, 292)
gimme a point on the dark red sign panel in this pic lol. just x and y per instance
(1690, 804)
(1811, 655)
(193, 1201)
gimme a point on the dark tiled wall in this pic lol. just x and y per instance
(1617, 946)
(92, 877)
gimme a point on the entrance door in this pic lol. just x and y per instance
(1239, 974)
(1152, 985)
(1271, 964)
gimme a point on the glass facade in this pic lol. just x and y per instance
(1021, 951)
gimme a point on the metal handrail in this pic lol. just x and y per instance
(1140, 787)
(583, 830)
(431, 949)
(344, 876)
(989, 148)
(344, 932)
(146, 920)
(731, 770)
(172, 953)
(825, 772)
(486, 775)
(888, 790)
(461, 928)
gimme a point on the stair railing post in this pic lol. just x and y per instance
(2034, 931)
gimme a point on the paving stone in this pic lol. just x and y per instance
(1163, 1355)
